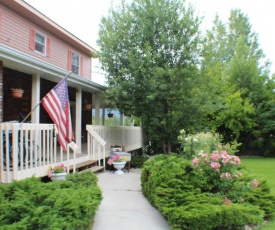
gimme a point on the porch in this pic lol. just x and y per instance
(29, 149)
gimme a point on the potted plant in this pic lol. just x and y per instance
(17, 92)
(57, 172)
(118, 162)
(88, 105)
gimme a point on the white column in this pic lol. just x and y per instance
(78, 119)
(121, 119)
(35, 118)
(96, 102)
(103, 115)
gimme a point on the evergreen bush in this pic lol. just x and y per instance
(137, 161)
(191, 196)
(31, 204)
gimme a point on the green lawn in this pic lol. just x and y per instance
(264, 168)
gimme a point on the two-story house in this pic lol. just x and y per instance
(35, 54)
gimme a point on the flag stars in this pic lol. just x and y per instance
(62, 92)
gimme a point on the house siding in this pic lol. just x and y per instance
(1, 90)
(15, 33)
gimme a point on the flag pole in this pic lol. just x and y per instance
(38, 104)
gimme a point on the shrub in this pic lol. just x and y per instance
(191, 145)
(137, 161)
(194, 195)
(31, 204)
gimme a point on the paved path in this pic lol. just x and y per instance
(124, 207)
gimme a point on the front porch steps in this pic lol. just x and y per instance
(88, 165)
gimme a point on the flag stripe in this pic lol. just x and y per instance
(57, 105)
(54, 107)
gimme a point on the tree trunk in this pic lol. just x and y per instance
(166, 147)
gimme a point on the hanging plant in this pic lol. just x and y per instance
(17, 93)
(88, 105)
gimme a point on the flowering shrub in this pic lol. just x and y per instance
(219, 173)
(56, 169)
(191, 145)
(211, 192)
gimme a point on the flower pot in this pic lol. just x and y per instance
(17, 93)
(88, 106)
(118, 166)
(58, 176)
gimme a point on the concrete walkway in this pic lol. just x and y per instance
(124, 207)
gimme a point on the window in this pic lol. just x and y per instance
(39, 42)
(75, 63)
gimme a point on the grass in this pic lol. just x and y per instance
(264, 168)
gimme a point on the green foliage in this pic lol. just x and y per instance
(137, 161)
(241, 88)
(191, 145)
(186, 197)
(150, 56)
(208, 217)
(31, 204)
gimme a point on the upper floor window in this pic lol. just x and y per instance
(75, 63)
(39, 42)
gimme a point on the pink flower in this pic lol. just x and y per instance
(238, 174)
(215, 156)
(255, 183)
(226, 176)
(215, 165)
(226, 201)
(195, 161)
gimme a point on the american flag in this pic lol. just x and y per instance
(57, 105)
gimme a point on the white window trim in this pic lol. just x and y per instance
(45, 44)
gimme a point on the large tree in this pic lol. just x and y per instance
(150, 51)
(235, 63)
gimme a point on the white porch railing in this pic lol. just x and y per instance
(129, 136)
(29, 149)
(96, 146)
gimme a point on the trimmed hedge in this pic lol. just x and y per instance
(170, 184)
(31, 204)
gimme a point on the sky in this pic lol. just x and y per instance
(82, 18)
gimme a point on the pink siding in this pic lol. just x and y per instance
(15, 33)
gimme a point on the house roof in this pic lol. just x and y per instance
(41, 20)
